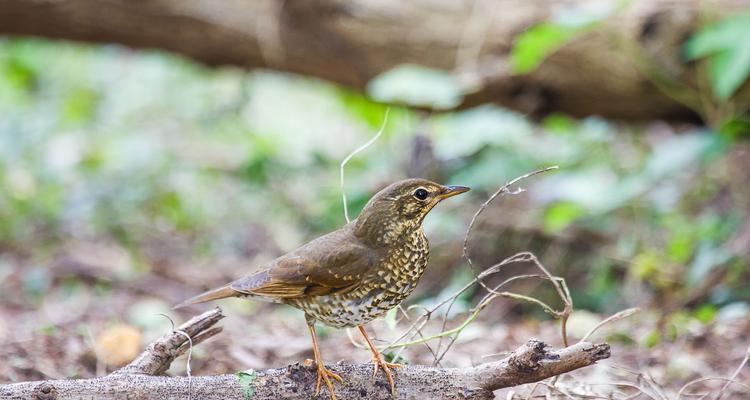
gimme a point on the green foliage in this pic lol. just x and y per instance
(559, 123)
(393, 357)
(705, 313)
(726, 46)
(736, 127)
(531, 47)
(652, 339)
(164, 150)
(49, 330)
(246, 379)
(418, 86)
(79, 106)
(559, 215)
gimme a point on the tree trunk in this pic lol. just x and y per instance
(350, 42)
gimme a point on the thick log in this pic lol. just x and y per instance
(603, 71)
(531, 362)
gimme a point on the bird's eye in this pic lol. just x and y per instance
(421, 194)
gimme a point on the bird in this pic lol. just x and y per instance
(350, 276)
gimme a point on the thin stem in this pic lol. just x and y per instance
(352, 154)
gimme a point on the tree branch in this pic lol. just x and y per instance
(159, 355)
(531, 362)
(601, 71)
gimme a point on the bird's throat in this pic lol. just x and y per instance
(379, 232)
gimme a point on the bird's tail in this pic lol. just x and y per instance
(214, 294)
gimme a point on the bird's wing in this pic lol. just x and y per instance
(328, 264)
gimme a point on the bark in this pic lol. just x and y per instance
(531, 362)
(608, 70)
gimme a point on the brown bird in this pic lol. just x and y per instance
(352, 275)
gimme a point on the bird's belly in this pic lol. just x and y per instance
(354, 308)
(388, 285)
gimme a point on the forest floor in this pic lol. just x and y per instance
(84, 326)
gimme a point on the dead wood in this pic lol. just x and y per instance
(532, 362)
(608, 70)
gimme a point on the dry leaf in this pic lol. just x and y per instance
(118, 345)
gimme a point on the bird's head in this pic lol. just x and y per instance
(402, 206)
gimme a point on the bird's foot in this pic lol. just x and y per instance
(325, 375)
(386, 367)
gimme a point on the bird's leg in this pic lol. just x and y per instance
(377, 359)
(323, 373)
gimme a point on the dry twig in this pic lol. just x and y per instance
(354, 153)
(415, 329)
(616, 317)
(733, 378)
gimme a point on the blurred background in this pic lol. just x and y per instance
(132, 179)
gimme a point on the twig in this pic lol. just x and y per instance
(616, 317)
(710, 378)
(630, 385)
(160, 354)
(561, 288)
(457, 330)
(352, 154)
(189, 356)
(424, 318)
(734, 375)
(502, 190)
(557, 282)
(187, 367)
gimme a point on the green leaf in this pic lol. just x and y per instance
(415, 85)
(680, 246)
(559, 123)
(652, 339)
(534, 45)
(364, 108)
(246, 379)
(722, 35)
(706, 313)
(729, 69)
(49, 330)
(645, 265)
(620, 337)
(17, 73)
(558, 216)
(726, 46)
(79, 106)
(735, 128)
(391, 357)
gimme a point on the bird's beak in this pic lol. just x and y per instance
(450, 191)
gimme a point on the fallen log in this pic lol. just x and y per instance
(604, 70)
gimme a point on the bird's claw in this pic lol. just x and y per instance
(325, 374)
(379, 363)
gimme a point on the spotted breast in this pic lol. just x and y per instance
(384, 287)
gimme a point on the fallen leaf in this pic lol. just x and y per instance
(118, 345)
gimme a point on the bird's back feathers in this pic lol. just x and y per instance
(334, 262)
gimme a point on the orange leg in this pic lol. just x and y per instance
(377, 359)
(324, 373)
